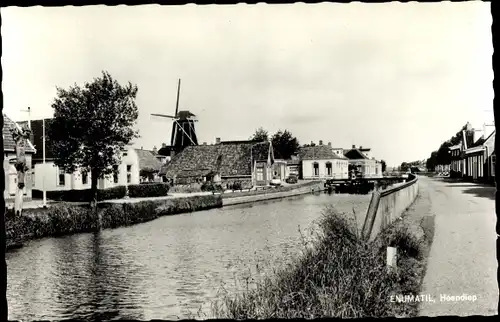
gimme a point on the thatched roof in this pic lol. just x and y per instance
(148, 160)
(226, 158)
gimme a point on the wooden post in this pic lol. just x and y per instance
(370, 215)
(392, 259)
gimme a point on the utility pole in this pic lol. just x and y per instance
(43, 177)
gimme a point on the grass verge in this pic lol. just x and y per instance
(338, 275)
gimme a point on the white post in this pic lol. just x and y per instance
(392, 259)
(43, 177)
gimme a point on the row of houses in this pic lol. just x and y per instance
(253, 163)
(474, 158)
(136, 166)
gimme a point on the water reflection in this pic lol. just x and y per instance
(161, 269)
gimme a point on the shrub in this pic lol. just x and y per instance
(148, 190)
(186, 188)
(211, 186)
(82, 195)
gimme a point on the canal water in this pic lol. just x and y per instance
(168, 268)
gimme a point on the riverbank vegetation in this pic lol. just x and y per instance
(338, 275)
(65, 218)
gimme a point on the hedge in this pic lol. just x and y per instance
(82, 195)
(156, 189)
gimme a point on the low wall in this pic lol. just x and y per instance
(388, 205)
(272, 195)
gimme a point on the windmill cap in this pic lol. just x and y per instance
(184, 114)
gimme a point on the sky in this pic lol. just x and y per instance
(399, 78)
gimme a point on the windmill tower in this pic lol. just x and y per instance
(183, 130)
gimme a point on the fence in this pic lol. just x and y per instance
(388, 205)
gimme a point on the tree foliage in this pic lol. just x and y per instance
(260, 135)
(92, 125)
(384, 165)
(284, 144)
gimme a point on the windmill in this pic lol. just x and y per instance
(183, 132)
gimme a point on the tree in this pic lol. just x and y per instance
(384, 166)
(284, 144)
(91, 126)
(260, 135)
(20, 136)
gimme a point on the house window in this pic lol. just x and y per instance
(328, 168)
(129, 173)
(260, 174)
(61, 177)
(85, 177)
(315, 169)
(115, 174)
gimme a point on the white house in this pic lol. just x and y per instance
(51, 178)
(322, 162)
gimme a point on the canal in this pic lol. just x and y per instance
(163, 269)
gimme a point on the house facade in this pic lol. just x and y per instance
(49, 177)
(321, 162)
(473, 159)
(247, 162)
(360, 158)
(480, 158)
(10, 160)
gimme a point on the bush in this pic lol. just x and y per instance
(82, 195)
(211, 186)
(186, 188)
(148, 190)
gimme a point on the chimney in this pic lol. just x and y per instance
(330, 144)
(204, 143)
(163, 145)
(312, 142)
(353, 146)
(360, 147)
(217, 140)
(141, 147)
(155, 150)
(320, 142)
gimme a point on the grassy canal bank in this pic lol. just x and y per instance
(67, 218)
(339, 275)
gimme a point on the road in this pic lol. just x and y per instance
(462, 258)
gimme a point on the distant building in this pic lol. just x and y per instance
(10, 159)
(149, 165)
(360, 158)
(322, 162)
(247, 162)
(479, 155)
